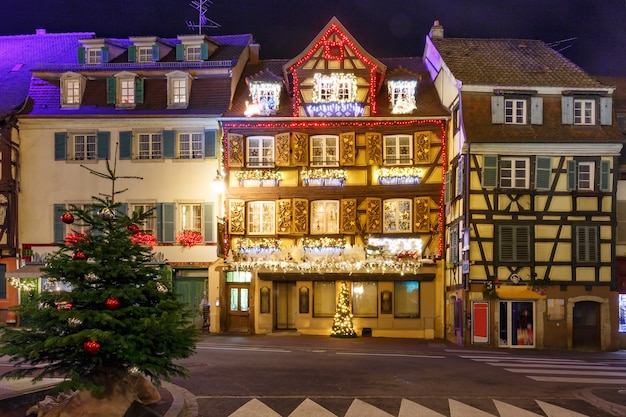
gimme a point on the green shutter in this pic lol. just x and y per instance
(156, 54)
(209, 221)
(490, 171)
(204, 51)
(59, 226)
(567, 110)
(497, 109)
(139, 82)
(543, 172)
(126, 144)
(103, 145)
(165, 222)
(81, 55)
(60, 146)
(210, 143)
(571, 175)
(111, 90)
(132, 53)
(605, 176)
(169, 144)
(180, 52)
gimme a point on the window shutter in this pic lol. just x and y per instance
(104, 139)
(204, 51)
(132, 53)
(448, 192)
(497, 109)
(180, 52)
(169, 144)
(567, 110)
(81, 55)
(454, 244)
(543, 171)
(123, 208)
(139, 82)
(209, 220)
(460, 175)
(104, 54)
(606, 111)
(490, 171)
(210, 143)
(536, 110)
(111, 90)
(235, 150)
(156, 53)
(126, 143)
(571, 175)
(60, 146)
(165, 222)
(605, 176)
(59, 226)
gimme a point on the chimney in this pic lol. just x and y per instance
(436, 32)
(255, 49)
(40, 31)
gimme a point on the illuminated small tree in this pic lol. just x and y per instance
(342, 322)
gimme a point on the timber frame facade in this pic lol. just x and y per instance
(334, 164)
(530, 196)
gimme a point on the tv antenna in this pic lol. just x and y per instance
(561, 45)
(203, 22)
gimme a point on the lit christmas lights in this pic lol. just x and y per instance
(342, 322)
(402, 95)
(265, 99)
(400, 175)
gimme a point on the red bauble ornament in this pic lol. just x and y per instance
(80, 255)
(91, 347)
(132, 228)
(67, 218)
(112, 303)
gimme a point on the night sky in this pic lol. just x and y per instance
(385, 28)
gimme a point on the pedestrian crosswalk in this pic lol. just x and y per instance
(360, 408)
(554, 369)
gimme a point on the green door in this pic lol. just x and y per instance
(190, 291)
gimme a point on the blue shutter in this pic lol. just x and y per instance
(209, 221)
(132, 53)
(204, 51)
(536, 110)
(123, 208)
(156, 54)
(490, 171)
(169, 144)
(81, 55)
(571, 175)
(606, 111)
(103, 146)
(567, 110)
(111, 90)
(210, 143)
(139, 90)
(126, 145)
(165, 222)
(605, 175)
(60, 146)
(497, 109)
(543, 172)
(104, 54)
(180, 52)
(59, 226)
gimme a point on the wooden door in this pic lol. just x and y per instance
(586, 325)
(190, 291)
(238, 318)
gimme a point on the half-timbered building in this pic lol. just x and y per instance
(333, 165)
(530, 195)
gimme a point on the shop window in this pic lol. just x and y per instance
(407, 299)
(324, 299)
(365, 299)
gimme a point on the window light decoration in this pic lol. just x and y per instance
(324, 176)
(258, 177)
(335, 109)
(334, 88)
(248, 245)
(396, 246)
(332, 243)
(26, 284)
(400, 175)
(402, 95)
(265, 99)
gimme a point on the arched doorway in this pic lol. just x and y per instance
(586, 325)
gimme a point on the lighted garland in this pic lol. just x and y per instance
(255, 245)
(401, 172)
(258, 175)
(323, 173)
(324, 243)
(23, 285)
(332, 264)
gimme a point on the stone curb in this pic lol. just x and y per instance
(613, 408)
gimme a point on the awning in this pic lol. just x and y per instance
(27, 271)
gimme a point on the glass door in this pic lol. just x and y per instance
(238, 308)
(517, 324)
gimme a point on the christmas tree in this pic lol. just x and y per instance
(342, 322)
(110, 313)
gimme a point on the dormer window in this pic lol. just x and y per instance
(402, 95)
(144, 54)
(178, 89)
(125, 89)
(334, 88)
(265, 98)
(72, 87)
(584, 112)
(94, 56)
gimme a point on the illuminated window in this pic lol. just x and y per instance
(190, 145)
(178, 89)
(150, 146)
(584, 112)
(397, 215)
(334, 88)
(94, 55)
(144, 54)
(127, 91)
(83, 147)
(72, 86)
(149, 222)
(406, 299)
(324, 299)
(324, 217)
(194, 53)
(265, 98)
(190, 217)
(261, 218)
(402, 96)
(515, 173)
(515, 111)
(365, 299)
(398, 150)
(260, 151)
(325, 150)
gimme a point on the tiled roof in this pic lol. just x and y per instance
(18, 55)
(619, 95)
(510, 62)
